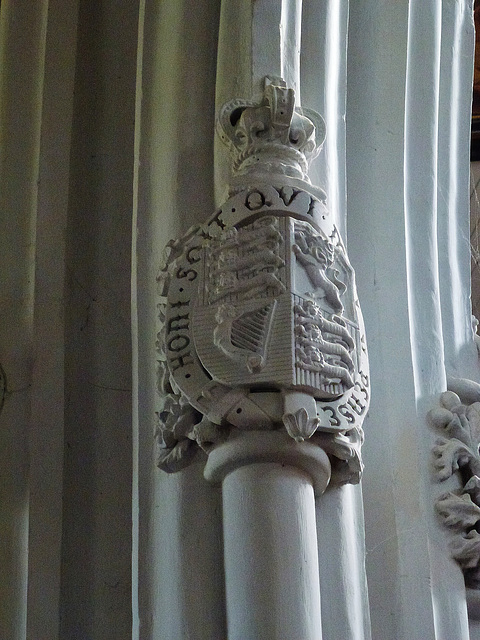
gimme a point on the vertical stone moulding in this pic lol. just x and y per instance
(3, 387)
(263, 361)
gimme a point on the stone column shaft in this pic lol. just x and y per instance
(271, 560)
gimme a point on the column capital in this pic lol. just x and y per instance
(244, 448)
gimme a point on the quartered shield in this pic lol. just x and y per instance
(262, 305)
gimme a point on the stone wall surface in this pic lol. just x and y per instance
(109, 155)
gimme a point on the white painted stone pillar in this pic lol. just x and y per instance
(271, 560)
(270, 542)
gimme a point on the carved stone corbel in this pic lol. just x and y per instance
(262, 329)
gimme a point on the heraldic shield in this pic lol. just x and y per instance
(262, 304)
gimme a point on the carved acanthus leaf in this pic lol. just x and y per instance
(461, 423)
(344, 450)
(457, 452)
(299, 426)
(177, 457)
(472, 487)
(466, 549)
(451, 455)
(458, 511)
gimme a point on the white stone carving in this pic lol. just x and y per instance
(271, 138)
(261, 324)
(323, 349)
(476, 337)
(299, 426)
(457, 452)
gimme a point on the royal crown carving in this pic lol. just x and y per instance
(270, 136)
(261, 326)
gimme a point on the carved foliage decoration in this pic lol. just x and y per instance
(261, 326)
(457, 452)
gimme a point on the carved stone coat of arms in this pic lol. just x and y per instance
(262, 325)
